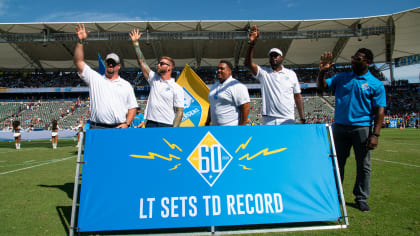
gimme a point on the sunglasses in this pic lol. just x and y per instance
(111, 63)
(161, 63)
(358, 59)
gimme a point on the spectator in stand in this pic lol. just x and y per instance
(16, 133)
(229, 99)
(54, 133)
(165, 105)
(279, 85)
(113, 101)
(360, 99)
(138, 121)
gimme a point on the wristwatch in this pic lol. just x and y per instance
(128, 125)
(377, 135)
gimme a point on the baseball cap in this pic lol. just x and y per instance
(114, 57)
(276, 50)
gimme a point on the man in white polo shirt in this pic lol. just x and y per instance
(229, 99)
(279, 85)
(165, 105)
(112, 99)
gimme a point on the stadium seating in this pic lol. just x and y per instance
(135, 77)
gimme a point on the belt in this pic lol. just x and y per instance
(159, 123)
(104, 125)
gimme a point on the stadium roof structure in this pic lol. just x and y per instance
(49, 46)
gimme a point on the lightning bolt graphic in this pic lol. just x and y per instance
(153, 155)
(175, 167)
(264, 151)
(245, 168)
(243, 146)
(173, 146)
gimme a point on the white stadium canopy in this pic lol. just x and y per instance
(49, 46)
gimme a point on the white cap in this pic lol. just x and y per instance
(114, 57)
(276, 50)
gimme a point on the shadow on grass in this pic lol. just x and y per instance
(67, 188)
(234, 229)
(64, 212)
(352, 204)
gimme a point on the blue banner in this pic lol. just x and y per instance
(206, 176)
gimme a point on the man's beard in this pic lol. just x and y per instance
(110, 72)
(275, 65)
(162, 71)
(358, 70)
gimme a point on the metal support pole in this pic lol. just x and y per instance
(337, 172)
(76, 185)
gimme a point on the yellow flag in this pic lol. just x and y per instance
(196, 101)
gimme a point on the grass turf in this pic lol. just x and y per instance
(36, 185)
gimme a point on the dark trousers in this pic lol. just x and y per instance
(154, 124)
(94, 125)
(346, 137)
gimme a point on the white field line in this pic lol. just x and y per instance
(408, 144)
(396, 162)
(52, 161)
(24, 150)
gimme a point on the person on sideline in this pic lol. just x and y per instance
(229, 99)
(165, 105)
(359, 99)
(113, 103)
(16, 133)
(54, 133)
(280, 86)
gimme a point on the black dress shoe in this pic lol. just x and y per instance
(363, 206)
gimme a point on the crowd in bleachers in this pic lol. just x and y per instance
(37, 112)
(71, 79)
(403, 105)
(402, 102)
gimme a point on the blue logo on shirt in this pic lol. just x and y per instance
(365, 86)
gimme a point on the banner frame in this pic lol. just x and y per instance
(343, 221)
(77, 179)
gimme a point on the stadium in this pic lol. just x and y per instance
(39, 83)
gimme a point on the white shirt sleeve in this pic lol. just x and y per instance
(132, 101)
(87, 74)
(296, 85)
(241, 95)
(179, 96)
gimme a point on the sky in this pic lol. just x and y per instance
(30, 11)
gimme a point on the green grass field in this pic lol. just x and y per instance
(36, 185)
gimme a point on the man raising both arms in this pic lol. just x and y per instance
(165, 105)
